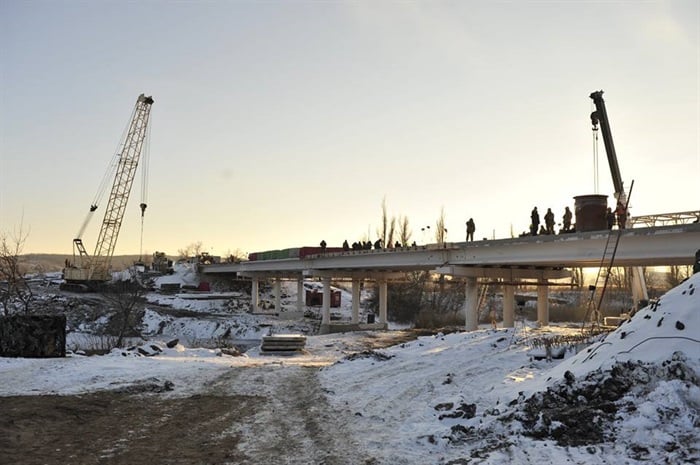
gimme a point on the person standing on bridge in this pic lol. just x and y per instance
(323, 246)
(471, 227)
(610, 218)
(567, 220)
(534, 221)
(549, 221)
(621, 213)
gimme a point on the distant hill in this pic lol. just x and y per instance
(56, 262)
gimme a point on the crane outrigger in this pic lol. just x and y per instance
(89, 272)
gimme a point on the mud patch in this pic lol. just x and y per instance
(117, 428)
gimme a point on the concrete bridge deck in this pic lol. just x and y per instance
(652, 246)
(540, 257)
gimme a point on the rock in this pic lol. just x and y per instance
(172, 343)
(569, 377)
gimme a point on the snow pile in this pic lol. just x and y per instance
(653, 334)
(633, 396)
(184, 274)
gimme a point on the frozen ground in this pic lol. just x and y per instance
(631, 397)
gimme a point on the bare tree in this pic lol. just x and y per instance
(404, 230)
(14, 290)
(577, 276)
(192, 250)
(677, 274)
(440, 230)
(126, 298)
(235, 256)
(392, 232)
(392, 228)
(382, 232)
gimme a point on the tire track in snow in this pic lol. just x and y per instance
(294, 423)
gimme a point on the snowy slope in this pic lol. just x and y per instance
(477, 398)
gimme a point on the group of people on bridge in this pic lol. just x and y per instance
(367, 245)
(619, 217)
(548, 226)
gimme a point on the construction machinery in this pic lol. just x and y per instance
(88, 272)
(600, 117)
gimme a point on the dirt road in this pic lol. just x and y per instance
(274, 414)
(288, 422)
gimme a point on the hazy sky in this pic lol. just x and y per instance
(278, 124)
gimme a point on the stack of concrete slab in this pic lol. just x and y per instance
(285, 343)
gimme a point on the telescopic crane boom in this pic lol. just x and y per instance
(600, 116)
(94, 269)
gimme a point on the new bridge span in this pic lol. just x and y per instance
(513, 261)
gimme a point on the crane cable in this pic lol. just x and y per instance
(106, 178)
(596, 184)
(144, 181)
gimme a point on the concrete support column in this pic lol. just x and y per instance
(355, 301)
(543, 304)
(382, 301)
(300, 294)
(278, 300)
(254, 296)
(508, 306)
(326, 309)
(471, 305)
(639, 286)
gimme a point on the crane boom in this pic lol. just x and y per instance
(96, 268)
(601, 116)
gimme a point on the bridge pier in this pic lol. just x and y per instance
(508, 306)
(383, 301)
(542, 304)
(355, 301)
(326, 309)
(277, 290)
(254, 295)
(300, 294)
(471, 305)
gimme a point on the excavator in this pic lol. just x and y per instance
(600, 118)
(90, 272)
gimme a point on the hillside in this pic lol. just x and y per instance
(46, 263)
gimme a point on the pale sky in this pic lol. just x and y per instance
(278, 124)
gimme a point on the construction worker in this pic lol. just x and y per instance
(621, 214)
(610, 218)
(549, 221)
(534, 221)
(471, 227)
(567, 220)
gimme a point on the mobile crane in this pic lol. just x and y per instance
(87, 272)
(600, 116)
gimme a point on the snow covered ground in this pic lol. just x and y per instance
(632, 397)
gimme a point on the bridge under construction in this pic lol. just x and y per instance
(532, 260)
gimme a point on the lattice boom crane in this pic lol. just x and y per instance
(91, 270)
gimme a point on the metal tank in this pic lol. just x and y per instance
(590, 211)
